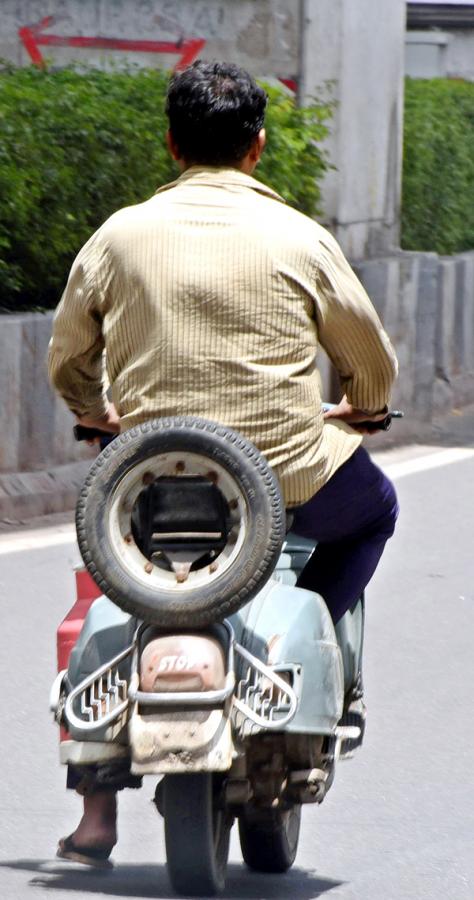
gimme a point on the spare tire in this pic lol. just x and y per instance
(174, 446)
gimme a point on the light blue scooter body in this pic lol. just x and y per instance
(291, 629)
(349, 630)
(106, 631)
(287, 627)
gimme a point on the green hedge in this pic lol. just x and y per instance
(438, 167)
(76, 146)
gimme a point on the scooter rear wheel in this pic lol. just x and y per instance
(269, 838)
(197, 834)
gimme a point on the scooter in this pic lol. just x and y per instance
(191, 654)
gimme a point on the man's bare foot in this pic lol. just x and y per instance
(98, 826)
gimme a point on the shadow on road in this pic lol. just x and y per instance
(152, 881)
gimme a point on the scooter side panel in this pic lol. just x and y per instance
(105, 633)
(289, 626)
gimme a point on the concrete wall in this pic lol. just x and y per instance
(440, 38)
(425, 54)
(426, 303)
(440, 54)
(35, 426)
(460, 54)
(259, 34)
(41, 466)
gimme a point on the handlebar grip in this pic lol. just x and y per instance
(81, 433)
(370, 425)
(382, 424)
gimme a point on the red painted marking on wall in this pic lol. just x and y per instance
(28, 38)
(34, 37)
(290, 83)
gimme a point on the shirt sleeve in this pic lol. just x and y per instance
(351, 333)
(75, 351)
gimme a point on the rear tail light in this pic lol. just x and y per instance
(186, 662)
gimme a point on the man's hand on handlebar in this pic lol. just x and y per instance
(358, 419)
(110, 423)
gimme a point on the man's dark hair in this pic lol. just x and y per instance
(215, 111)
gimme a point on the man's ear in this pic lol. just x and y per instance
(172, 146)
(261, 141)
(253, 156)
(258, 146)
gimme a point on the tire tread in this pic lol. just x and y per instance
(128, 439)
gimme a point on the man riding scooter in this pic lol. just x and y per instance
(211, 299)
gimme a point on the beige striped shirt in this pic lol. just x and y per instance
(211, 299)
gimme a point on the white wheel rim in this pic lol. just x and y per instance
(118, 521)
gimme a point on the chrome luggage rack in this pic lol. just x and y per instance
(100, 699)
(259, 700)
(263, 700)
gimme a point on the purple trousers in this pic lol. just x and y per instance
(351, 518)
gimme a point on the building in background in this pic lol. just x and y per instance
(440, 39)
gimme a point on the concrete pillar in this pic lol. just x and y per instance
(425, 344)
(359, 47)
(11, 392)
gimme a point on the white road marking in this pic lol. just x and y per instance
(424, 463)
(55, 536)
(35, 540)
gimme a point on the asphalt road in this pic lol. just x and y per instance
(398, 823)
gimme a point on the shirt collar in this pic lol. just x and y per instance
(216, 176)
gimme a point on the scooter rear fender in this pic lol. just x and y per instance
(291, 629)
